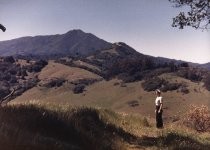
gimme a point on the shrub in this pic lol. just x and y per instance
(133, 103)
(9, 59)
(190, 74)
(54, 83)
(84, 81)
(207, 82)
(170, 87)
(4, 88)
(199, 118)
(184, 89)
(78, 88)
(153, 84)
(13, 79)
(37, 66)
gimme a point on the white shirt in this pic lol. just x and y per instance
(158, 100)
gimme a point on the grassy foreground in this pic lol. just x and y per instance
(33, 126)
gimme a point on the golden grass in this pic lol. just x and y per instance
(56, 70)
(110, 94)
(49, 126)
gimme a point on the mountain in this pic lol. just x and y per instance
(75, 42)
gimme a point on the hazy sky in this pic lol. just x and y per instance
(143, 24)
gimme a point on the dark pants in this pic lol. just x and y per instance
(159, 120)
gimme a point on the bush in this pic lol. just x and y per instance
(37, 66)
(207, 82)
(184, 89)
(84, 81)
(78, 88)
(9, 59)
(54, 83)
(153, 84)
(170, 87)
(133, 103)
(4, 89)
(199, 118)
(190, 74)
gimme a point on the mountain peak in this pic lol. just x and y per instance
(71, 43)
(75, 31)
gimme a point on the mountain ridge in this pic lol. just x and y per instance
(72, 42)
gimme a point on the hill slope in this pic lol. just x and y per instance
(75, 42)
(113, 78)
(63, 127)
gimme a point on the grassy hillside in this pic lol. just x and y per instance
(113, 94)
(113, 79)
(56, 70)
(35, 126)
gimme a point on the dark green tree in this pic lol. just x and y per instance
(198, 16)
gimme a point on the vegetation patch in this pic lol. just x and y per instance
(160, 83)
(56, 82)
(79, 85)
(198, 118)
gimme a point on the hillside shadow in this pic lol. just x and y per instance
(31, 127)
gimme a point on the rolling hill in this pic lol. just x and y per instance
(114, 79)
(93, 72)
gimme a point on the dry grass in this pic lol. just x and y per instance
(113, 95)
(56, 70)
(37, 126)
(106, 94)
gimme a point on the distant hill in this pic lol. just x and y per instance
(206, 66)
(75, 42)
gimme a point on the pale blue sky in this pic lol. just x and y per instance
(143, 24)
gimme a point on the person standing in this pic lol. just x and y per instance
(159, 109)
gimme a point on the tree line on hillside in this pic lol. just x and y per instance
(132, 67)
(15, 76)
